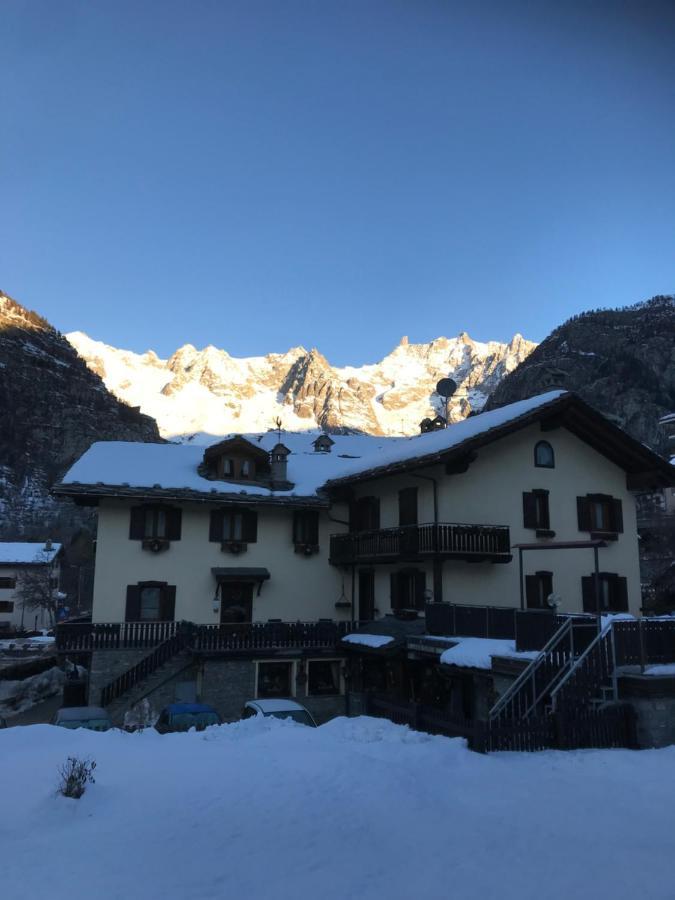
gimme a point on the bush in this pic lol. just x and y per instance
(76, 774)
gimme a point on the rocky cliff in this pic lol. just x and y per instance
(52, 407)
(209, 390)
(622, 361)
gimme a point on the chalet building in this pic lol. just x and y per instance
(41, 562)
(235, 571)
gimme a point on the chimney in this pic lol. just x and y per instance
(48, 545)
(279, 466)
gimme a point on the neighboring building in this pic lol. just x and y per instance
(40, 561)
(252, 530)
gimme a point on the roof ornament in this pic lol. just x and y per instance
(278, 423)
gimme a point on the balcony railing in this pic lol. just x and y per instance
(418, 542)
(247, 636)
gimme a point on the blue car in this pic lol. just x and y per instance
(184, 716)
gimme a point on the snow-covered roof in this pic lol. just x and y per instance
(368, 640)
(23, 553)
(121, 468)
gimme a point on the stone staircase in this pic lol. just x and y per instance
(148, 685)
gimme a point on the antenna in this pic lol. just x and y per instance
(445, 388)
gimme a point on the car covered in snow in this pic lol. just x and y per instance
(95, 718)
(184, 716)
(278, 709)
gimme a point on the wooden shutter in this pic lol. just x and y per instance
(173, 523)
(407, 506)
(167, 609)
(312, 527)
(543, 520)
(353, 517)
(395, 590)
(584, 514)
(588, 594)
(616, 515)
(532, 592)
(620, 599)
(249, 526)
(375, 520)
(546, 585)
(529, 510)
(133, 607)
(137, 523)
(216, 525)
(420, 587)
(297, 527)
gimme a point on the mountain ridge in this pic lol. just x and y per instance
(209, 390)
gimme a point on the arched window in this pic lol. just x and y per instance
(543, 455)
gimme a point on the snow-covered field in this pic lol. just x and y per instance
(358, 808)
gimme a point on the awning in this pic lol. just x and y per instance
(246, 574)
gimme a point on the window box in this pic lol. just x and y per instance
(545, 533)
(235, 547)
(156, 545)
(306, 549)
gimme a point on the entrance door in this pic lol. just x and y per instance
(236, 602)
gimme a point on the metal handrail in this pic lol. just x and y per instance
(606, 634)
(528, 673)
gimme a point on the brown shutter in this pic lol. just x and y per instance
(616, 515)
(407, 506)
(216, 525)
(297, 526)
(588, 594)
(529, 510)
(375, 513)
(420, 587)
(544, 520)
(133, 608)
(395, 590)
(584, 514)
(546, 582)
(167, 610)
(532, 592)
(250, 526)
(173, 523)
(621, 594)
(353, 517)
(312, 527)
(137, 523)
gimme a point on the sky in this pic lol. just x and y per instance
(263, 174)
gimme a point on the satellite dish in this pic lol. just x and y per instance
(554, 600)
(446, 387)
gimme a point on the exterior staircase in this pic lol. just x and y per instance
(149, 684)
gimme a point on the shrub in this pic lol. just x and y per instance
(76, 774)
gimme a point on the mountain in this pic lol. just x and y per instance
(53, 407)
(210, 391)
(622, 361)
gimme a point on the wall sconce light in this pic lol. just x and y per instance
(216, 603)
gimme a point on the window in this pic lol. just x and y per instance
(535, 510)
(612, 590)
(365, 514)
(544, 458)
(306, 528)
(7, 583)
(323, 678)
(407, 589)
(233, 525)
(274, 679)
(6, 606)
(538, 587)
(228, 466)
(155, 523)
(407, 506)
(150, 601)
(600, 513)
(366, 596)
(246, 468)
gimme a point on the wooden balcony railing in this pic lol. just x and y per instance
(248, 636)
(417, 542)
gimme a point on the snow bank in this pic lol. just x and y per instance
(358, 808)
(17, 696)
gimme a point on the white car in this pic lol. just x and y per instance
(278, 709)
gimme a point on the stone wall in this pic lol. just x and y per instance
(653, 699)
(106, 665)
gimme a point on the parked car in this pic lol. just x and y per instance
(184, 716)
(278, 709)
(95, 718)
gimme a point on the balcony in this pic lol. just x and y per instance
(416, 543)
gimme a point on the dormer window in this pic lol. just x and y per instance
(323, 444)
(236, 459)
(228, 466)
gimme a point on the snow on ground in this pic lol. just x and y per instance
(17, 696)
(666, 669)
(359, 808)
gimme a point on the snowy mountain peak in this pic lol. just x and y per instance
(210, 390)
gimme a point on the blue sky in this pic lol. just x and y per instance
(259, 175)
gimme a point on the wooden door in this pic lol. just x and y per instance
(236, 602)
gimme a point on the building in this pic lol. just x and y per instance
(529, 505)
(39, 563)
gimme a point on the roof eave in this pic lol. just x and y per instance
(90, 494)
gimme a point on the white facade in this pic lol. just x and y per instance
(17, 558)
